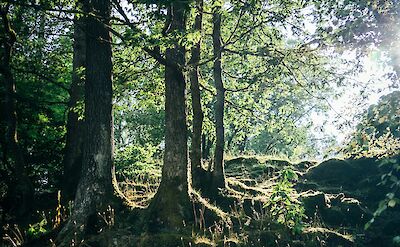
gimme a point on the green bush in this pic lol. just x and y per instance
(133, 160)
(283, 204)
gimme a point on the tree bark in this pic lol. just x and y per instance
(20, 191)
(196, 164)
(171, 207)
(242, 145)
(74, 137)
(230, 137)
(206, 146)
(95, 188)
(218, 171)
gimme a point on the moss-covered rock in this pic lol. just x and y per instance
(241, 161)
(303, 166)
(342, 173)
(320, 236)
(314, 201)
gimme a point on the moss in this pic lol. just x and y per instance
(253, 168)
(334, 238)
(164, 239)
(315, 201)
(211, 212)
(170, 209)
(241, 161)
(274, 235)
(337, 200)
(347, 173)
(305, 165)
(278, 163)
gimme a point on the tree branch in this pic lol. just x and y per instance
(41, 76)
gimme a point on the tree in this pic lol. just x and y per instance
(41, 65)
(378, 133)
(218, 175)
(95, 189)
(74, 136)
(20, 187)
(359, 25)
(196, 154)
(171, 206)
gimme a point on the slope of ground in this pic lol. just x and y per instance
(268, 202)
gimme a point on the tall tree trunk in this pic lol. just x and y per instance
(218, 172)
(196, 156)
(20, 191)
(242, 145)
(206, 146)
(74, 137)
(171, 206)
(230, 137)
(95, 188)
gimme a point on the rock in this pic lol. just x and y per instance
(241, 161)
(314, 201)
(278, 163)
(306, 186)
(342, 173)
(304, 165)
(329, 237)
(355, 214)
(335, 210)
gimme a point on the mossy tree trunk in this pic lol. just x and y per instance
(20, 189)
(218, 175)
(95, 188)
(196, 156)
(74, 137)
(171, 206)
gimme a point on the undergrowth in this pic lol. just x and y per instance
(264, 210)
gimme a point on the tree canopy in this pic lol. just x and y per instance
(195, 119)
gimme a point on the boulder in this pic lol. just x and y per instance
(314, 201)
(342, 173)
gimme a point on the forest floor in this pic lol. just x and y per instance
(272, 202)
(269, 203)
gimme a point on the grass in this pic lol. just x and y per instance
(249, 178)
(246, 222)
(325, 231)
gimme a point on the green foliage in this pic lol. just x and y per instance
(42, 66)
(283, 204)
(273, 75)
(267, 103)
(390, 179)
(37, 229)
(378, 136)
(135, 160)
(378, 133)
